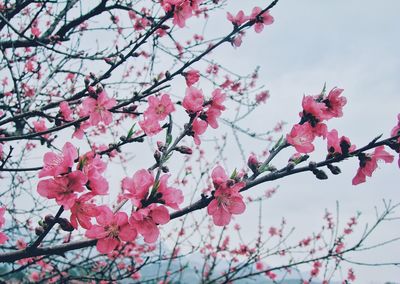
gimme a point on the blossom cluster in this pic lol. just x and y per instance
(202, 112)
(227, 198)
(75, 190)
(316, 109)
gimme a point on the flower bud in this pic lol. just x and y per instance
(334, 169)
(49, 219)
(87, 81)
(253, 163)
(320, 174)
(39, 230)
(312, 165)
(184, 150)
(91, 90)
(157, 156)
(65, 225)
(160, 146)
(290, 166)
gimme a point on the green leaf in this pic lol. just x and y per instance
(234, 174)
(168, 140)
(131, 132)
(278, 143)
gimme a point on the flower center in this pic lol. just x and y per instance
(112, 230)
(160, 109)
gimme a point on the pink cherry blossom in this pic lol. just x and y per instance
(80, 131)
(59, 164)
(150, 126)
(171, 196)
(65, 111)
(3, 237)
(112, 228)
(237, 20)
(212, 115)
(193, 100)
(301, 137)
(227, 199)
(334, 104)
(40, 126)
(98, 109)
(145, 220)
(82, 211)
(313, 107)
(138, 186)
(93, 167)
(217, 100)
(369, 163)
(262, 97)
(261, 20)
(198, 127)
(191, 77)
(334, 143)
(218, 176)
(320, 130)
(182, 12)
(63, 188)
(237, 40)
(159, 108)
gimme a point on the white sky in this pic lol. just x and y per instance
(353, 45)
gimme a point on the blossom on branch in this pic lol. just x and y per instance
(369, 163)
(227, 199)
(112, 228)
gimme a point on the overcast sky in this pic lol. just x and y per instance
(354, 45)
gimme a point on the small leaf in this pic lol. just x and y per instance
(131, 132)
(168, 140)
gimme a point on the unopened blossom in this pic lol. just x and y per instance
(83, 211)
(63, 188)
(193, 100)
(227, 199)
(98, 109)
(112, 228)
(261, 20)
(138, 186)
(145, 221)
(369, 163)
(192, 77)
(159, 108)
(56, 164)
(301, 137)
